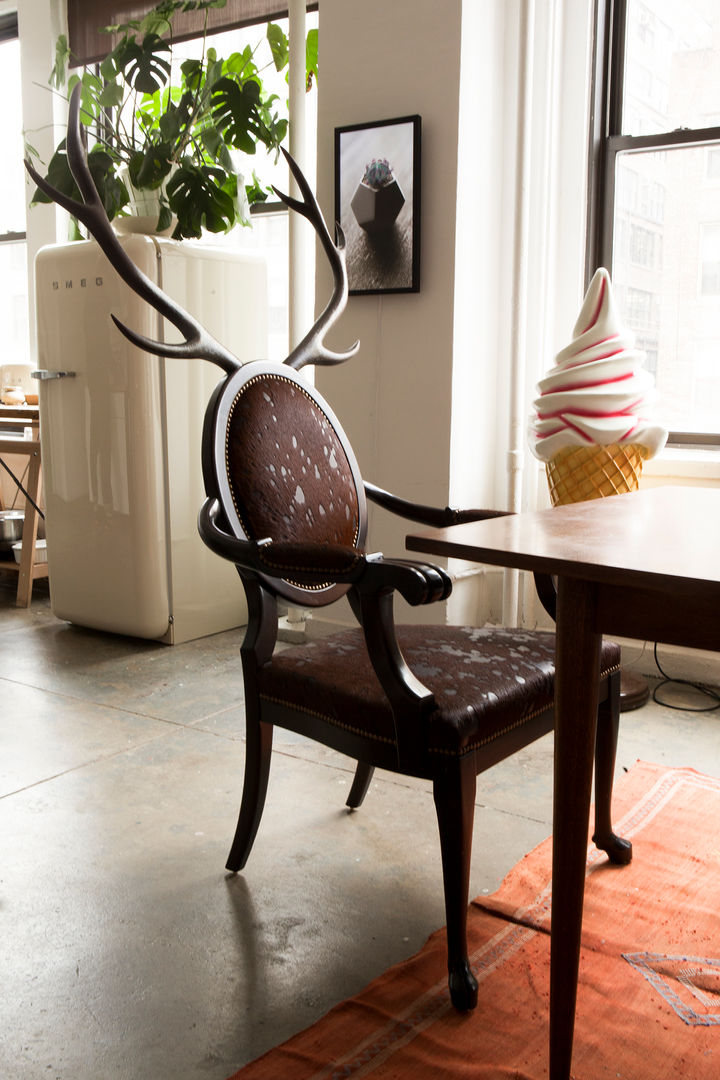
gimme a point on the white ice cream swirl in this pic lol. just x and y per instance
(597, 393)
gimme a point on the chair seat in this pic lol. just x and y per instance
(485, 681)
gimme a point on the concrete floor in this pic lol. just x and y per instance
(127, 951)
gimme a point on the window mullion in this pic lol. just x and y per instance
(616, 66)
(664, 140)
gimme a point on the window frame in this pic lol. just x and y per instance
(607, 141)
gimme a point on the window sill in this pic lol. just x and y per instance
(684, 463)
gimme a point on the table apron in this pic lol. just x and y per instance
(690, 617)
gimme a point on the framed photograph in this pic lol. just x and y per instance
(377, 202)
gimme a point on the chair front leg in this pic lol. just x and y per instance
(258, 751)
(454, 795)
(619, 851)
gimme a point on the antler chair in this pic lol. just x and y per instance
(286, 503)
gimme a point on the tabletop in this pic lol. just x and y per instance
(666, 537)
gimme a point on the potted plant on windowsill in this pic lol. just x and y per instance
(175, 134)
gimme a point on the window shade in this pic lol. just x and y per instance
(85, 16)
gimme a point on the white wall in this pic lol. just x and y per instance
(395, 398)
(427, 402)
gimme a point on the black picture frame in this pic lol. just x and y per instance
(377, 203)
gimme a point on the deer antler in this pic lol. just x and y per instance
(198, 342)
(311, 349)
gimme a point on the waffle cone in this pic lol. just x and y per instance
(591, 472)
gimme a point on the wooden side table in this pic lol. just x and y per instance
(28, 569)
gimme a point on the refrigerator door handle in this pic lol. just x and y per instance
(43, 374)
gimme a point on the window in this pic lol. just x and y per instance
(656, 218)
(270, 227)
(13, 249)
(269, 232)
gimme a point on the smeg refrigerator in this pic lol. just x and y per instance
(121, 435)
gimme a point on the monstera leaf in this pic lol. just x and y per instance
(149, 169)
(102, 167)
(142, 65)
(235, 113)
(198, 198)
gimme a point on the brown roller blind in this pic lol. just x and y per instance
(85, 16)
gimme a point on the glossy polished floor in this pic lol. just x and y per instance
(127, 951)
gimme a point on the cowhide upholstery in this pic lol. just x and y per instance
(303, 490)
(485, 681)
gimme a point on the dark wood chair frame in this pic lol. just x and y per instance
(290, 573)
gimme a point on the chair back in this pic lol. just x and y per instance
(278, 461)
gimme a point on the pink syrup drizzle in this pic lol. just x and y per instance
(587, 385)
(591, 414)
(579, 362)
(598, 308)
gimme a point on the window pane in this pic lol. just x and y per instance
(13, 253)
(269, 169)
(12, 173)
(13, 302)
(666, 273)
(269, 236)
(672, 60)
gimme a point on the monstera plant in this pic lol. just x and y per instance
(175, 130)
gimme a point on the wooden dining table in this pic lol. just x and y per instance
(645, 566)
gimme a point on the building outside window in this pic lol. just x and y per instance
(658, 196)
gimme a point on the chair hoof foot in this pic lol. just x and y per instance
(463, 987)
(618, 851)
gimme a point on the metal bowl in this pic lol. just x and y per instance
(11, 528)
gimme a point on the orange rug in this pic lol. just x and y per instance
(649, 990)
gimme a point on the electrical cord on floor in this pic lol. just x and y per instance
(668, 680)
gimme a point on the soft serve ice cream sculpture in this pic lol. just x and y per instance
(591, 424)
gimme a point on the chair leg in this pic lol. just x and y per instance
(257, 770)
(618, 850)
(358, 791)
(454, 795)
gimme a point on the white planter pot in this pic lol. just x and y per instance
(143, 210)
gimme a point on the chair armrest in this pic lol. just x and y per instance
(242, 552)
(435, 517)
(316, 564)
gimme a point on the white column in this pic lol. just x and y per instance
(301, 277)
(301, 236)
(519, 306)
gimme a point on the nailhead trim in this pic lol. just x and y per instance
(329, 719)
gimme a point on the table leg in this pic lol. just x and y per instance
(576, 704)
